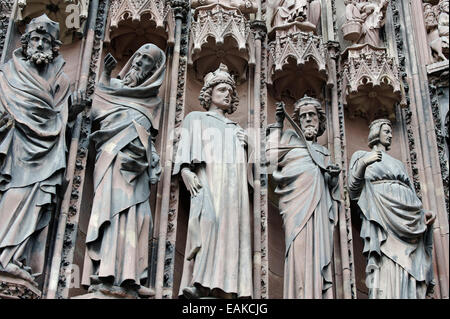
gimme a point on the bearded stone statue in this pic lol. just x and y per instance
(127, 112)
(36, 105)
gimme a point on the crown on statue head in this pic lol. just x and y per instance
(380, 122)
(44, 24)
(221, 75)
(307, 100)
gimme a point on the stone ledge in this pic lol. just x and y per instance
(17, 288)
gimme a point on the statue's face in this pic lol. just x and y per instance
(221, 96)
(309, 121)
(141, 68)
(386, 135)
(143, 63)
(39, 49)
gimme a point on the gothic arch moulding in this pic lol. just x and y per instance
(220, 33)
(132, 23)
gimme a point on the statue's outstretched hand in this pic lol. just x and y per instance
(279, 114)
(110, 63)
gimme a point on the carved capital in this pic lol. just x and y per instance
(260, 29)
(180, 9)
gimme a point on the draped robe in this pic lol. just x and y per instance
(120, 222)
(32, 158)
(397, 243)
(218, 245)
(308, 207)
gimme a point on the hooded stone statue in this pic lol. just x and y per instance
(127, 111)
(35, 106)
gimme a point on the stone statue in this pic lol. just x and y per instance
(245, 6)
(368, 17)
(395, 228)
(307, 184)
(307, 12)
(36, 104)
(437, 39)
(443, 25)
(127, 112)
(213, 163)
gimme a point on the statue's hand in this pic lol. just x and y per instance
(242, 136)
(6, 122)
(372, 157)
(279, 114)
(110, 63)
(334, 170)
(191, 181)
(430, 217)
(78, 102)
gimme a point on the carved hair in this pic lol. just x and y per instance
(375, 129)
(206, 96)
(306, 100)
(25, 39)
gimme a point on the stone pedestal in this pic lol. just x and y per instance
(103, 291)
(17, 288)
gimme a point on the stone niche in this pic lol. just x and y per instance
(293, 52)
(70, 14)
(220, 33)
(132, 23)
(371, 83)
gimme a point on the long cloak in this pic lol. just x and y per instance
(397, 243)
(32, 157)
(309, 210)
(218, 245)
(120, 222)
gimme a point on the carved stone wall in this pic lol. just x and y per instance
(356, 84)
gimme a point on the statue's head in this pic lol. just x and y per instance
(40, 42)
(145, 61)
(311, 117)
(443, 5)
(219, 88)
(380, 131)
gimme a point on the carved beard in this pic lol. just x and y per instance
(310, 133)
(135, 77)
(39, 57)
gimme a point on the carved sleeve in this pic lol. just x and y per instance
(356, 175)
